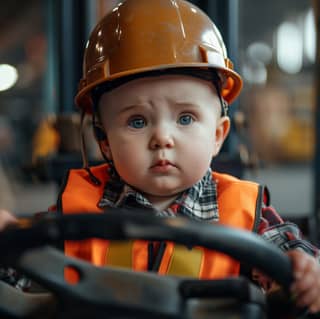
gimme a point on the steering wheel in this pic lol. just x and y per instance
(121, 293)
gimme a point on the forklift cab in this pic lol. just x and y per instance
(118, 293)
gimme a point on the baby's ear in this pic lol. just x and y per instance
(102, 140)
(99, 133)
(222, 131)
(105, 148)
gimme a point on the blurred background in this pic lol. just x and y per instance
(275, 131)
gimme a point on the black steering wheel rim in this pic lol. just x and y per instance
(120, 224)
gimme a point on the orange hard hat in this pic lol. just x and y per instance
(139, 36)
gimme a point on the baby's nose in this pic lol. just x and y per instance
(161, 138)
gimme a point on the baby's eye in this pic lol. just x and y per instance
(185, 119)
(137, 122)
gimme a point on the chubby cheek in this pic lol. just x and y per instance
(128, 158)
(202, 144)
(196, 158)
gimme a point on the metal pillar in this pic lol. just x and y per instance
(314, 220)
(71, 50)
(67, 33)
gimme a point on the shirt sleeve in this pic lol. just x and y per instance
(284, 234)
(13, 278)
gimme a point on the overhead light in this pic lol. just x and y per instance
(310, 36)
(255, 72)
(8, 76)
(289, 48)
(260, 51)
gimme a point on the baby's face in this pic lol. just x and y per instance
(162, 132)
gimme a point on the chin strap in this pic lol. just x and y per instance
(85, 162)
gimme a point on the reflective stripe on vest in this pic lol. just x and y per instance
(239, 205)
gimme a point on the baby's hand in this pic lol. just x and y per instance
(6, 219)
(306, 285)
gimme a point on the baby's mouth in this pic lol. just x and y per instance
(162, 163)
(162, 166)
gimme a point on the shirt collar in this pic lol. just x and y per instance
(197, 202)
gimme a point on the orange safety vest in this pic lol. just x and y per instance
(239, 205)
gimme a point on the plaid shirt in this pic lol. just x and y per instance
(200, 202)
(285, 235)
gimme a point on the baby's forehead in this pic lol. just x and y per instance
(171, 84)
(149, 93)
(155, 92)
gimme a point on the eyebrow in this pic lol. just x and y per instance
(130, 107)
(186, 104)
(181, 104)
